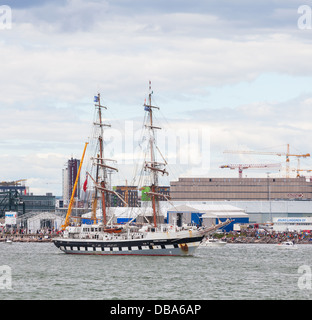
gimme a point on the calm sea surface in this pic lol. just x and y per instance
(236, 271)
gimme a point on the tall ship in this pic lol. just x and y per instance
(150, 238)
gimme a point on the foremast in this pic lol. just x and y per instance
(100, 162)
(152, 165)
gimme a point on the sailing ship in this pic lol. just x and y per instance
(103, 237)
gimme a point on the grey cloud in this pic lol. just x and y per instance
(62, 16)
(18, 4)
(231, 18)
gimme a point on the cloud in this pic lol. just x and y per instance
(242, 69)
(260, 127)
(60, 16)
(18, 4)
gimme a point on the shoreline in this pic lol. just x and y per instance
(268, 237)
(247, 241)
(229, 238)
(27, 238)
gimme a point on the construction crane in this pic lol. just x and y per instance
(298, 170)
(242, 167)
(12, 183)
(287, 154)
(67, 218)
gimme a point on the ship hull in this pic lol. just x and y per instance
(150, 247)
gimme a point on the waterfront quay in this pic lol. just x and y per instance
(255, 236)
(44, 236)
(244, 237)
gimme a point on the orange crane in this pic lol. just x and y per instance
(242, 167)
(298, 175)
(287, 154)
(67, 219)
(14, 183)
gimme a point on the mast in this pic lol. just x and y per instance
(101, 180)
(152, 164)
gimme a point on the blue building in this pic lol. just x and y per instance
(206, 215)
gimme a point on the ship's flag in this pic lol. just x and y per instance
(85, 185)
(96, 99)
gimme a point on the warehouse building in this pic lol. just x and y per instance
(206, 215)
(177, 214)
(243, 189)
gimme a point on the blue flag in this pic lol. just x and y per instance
(96, 99)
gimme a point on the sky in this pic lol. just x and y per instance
(225, 74)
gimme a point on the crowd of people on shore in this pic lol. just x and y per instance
(243, 236)
(264, 236)
(20, 234)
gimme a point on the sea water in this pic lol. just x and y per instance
(235, 271)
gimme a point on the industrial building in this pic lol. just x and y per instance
(14, 196)
(133, 195)
(263, 199)
(243, 189)
(178, 213)
(69, 178)
(13, 186)
(128, 193)
(39, 203)
(207, 215)
(11, 196)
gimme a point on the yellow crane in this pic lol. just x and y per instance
(287, 154)
(14, 183)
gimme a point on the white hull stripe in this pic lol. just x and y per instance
(134, 248)
(146, 247)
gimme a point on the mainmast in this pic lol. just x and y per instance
(152, 165)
